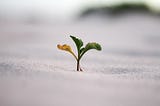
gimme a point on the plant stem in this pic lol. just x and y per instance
(78, 65)
(74, 55)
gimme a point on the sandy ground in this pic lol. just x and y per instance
(125, 73)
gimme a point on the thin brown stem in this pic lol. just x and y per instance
(78, 65)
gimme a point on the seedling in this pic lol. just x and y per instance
(80, 49)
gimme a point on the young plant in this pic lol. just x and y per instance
(80, 49)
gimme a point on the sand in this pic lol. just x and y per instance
(33, 72)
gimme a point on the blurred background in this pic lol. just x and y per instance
(33, 28)
(43, 11)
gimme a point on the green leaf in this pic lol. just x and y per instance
(81, 50)
(90, 46)
(93, 45)
(78, 42)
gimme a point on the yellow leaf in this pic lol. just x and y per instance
(66, 47)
